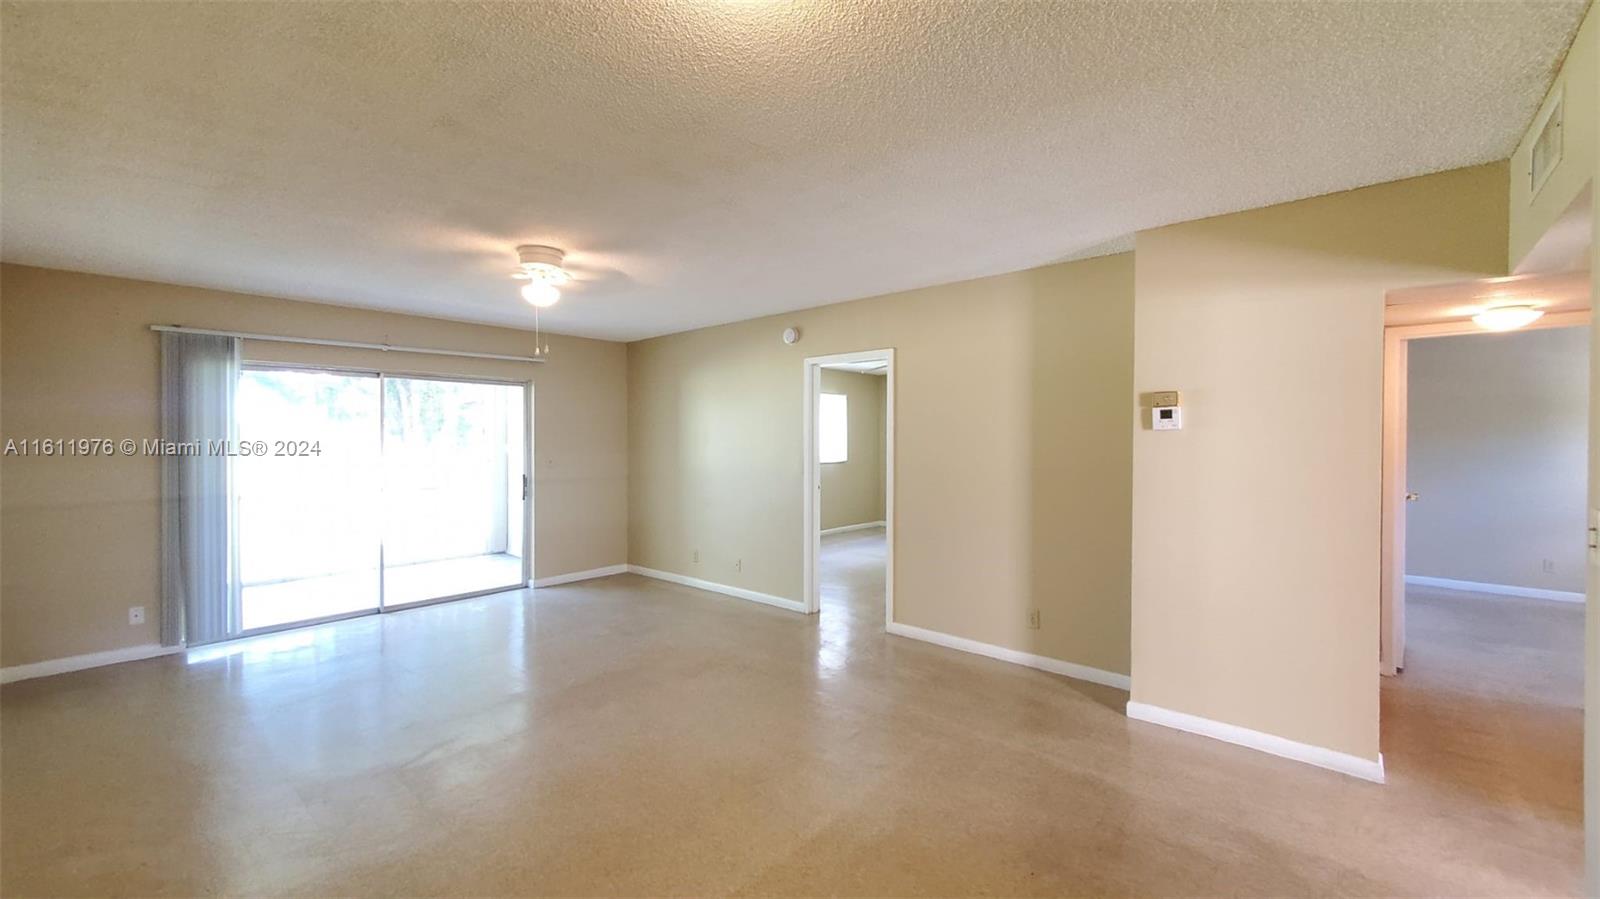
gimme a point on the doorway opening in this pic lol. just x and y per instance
(1475, 442)
(849, 489)
(1484, 552)
(400, 491)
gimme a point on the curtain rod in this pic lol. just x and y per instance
(351, 344)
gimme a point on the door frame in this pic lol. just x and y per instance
(811, 481)
(1392, 567)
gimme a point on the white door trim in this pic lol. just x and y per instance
(1391, 590)
(811, 486)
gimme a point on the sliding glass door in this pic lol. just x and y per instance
(375, 492)
(453, 488)
(307, 517)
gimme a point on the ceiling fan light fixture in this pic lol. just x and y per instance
(541, 294)
(1508, 317)
(542, 264)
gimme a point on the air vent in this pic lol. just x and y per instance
(1546, 147)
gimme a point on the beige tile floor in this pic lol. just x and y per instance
(629, 737)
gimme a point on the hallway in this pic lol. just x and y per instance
(1488, 717)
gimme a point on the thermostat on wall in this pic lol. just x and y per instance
(1166, 418)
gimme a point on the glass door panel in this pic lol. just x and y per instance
(308, 534)
(453, 467)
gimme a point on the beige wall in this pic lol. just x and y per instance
(81, 536)
(853, 490)
(1029, 510)
(1497, 449)
(1591, 671)
(1531, 216)
(1534, 221)
(1255, 528)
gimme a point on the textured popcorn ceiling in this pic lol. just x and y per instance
(712, 160)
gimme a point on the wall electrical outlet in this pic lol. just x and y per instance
(697, 557)
(1549, 566)
(738, 564)
(136, 614)
(1033, 619)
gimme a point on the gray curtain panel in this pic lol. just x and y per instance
(199, 603)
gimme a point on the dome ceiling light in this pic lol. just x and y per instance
(1507, 317)
(541, 293)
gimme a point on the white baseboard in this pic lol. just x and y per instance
(88, 660)
(740, 592)
(573, 576)
(1497, 589)
(855, 527)
(1014, 656)
(1344, 763)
